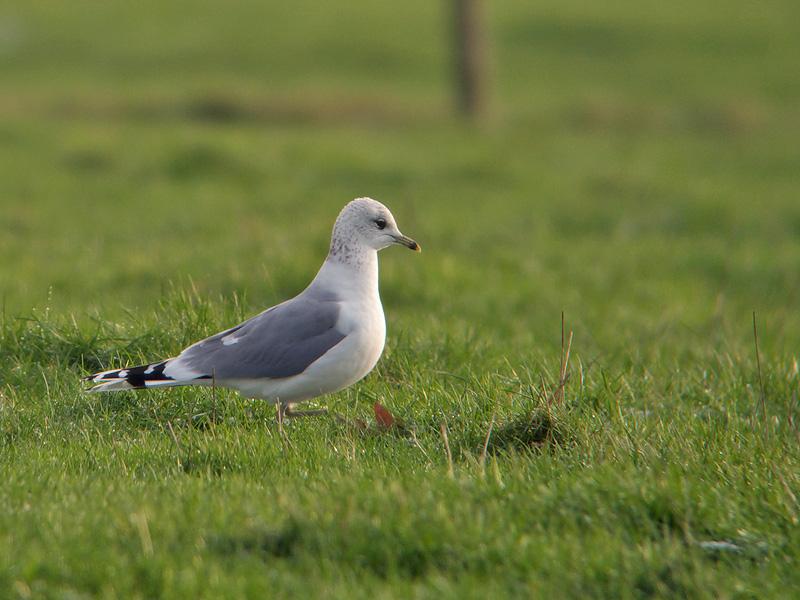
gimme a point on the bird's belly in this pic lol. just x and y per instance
(352, 359)
(343, 365)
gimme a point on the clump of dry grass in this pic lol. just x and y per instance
(538, 425)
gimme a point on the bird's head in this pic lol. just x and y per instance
(370, 223)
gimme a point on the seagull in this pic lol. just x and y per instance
(323, 340)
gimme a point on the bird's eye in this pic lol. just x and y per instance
(381, 223)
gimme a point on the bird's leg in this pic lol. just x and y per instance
(289, 411)
(280, 412)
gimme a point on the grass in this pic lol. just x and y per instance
(165, 173)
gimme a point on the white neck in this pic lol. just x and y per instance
(353, 274)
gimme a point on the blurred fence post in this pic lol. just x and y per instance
(470, 58)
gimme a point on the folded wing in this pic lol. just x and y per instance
(280, 342)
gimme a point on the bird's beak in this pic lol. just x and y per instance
(407, 242)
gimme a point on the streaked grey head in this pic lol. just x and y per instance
(366, 223)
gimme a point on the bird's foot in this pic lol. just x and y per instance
(290, 412)
(306, 413)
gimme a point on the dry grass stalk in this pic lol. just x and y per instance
(214, 397)
(176, 442)
(760, 377)
(486, 441)
(566, 346)
(443, 431)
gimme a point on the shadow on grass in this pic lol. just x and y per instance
(368, 548)
(225, 108)
(278, 543)
(530, 430)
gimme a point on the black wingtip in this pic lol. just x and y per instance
(136, 377)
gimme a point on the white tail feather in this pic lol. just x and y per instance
(111, 386)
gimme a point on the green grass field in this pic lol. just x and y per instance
(169, 168)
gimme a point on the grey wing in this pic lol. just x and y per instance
(280, 342)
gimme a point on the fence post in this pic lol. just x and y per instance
(470, 58)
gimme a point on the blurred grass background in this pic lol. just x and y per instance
(132, 131)
(145, 143)
(638, 169)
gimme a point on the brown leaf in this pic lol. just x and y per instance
(383, 417)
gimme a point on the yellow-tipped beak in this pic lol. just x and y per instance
(408, 243)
